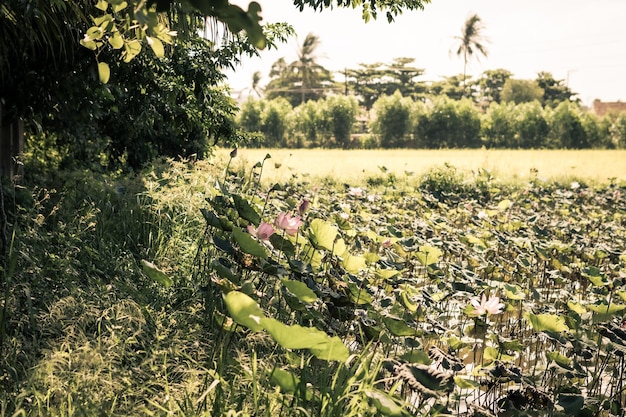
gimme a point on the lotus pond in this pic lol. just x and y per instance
(449, 298)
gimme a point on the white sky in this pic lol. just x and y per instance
(581, 42)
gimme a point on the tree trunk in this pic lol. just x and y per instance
(11, 146)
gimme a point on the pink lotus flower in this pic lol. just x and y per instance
(288, 223)
(264, 231)
(355, 191)
(386, 243)
(304, 205)
(487, 306)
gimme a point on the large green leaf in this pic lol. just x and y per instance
(547, 322)
(514, 292)
(603, 312)
(248, 244)
(297, 337)
(322, 234)
(287, 381)
(155, 274)
(245, 210)
(353, 264)
(398, 327)
(244, 310)
(300, 290)
(428, 255)
(385, 403)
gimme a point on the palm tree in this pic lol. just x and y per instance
(471, 41)
(306, 65)
(301, 79)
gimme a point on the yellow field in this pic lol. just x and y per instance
(598, 166)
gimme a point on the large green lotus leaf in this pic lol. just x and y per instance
(594, 275)
(245, 210)
(572, 403)
(322, 234)
(428, 255)
(504, 205)
(332, 350)
(398, 327)
(491, 354)
(576, 307)
(385, 403)
(385, 274)
(425, 379)
(287, 381)
(514, 292)
(300, 290)
(297, 337)
(339, 247)
(353, 264)
(547, 322)
(224, 271)
(156, 274)
(603, 312)
(283, 244)
(359, 295)
(244, 310)
(247, 244)
(464, 383)
(560, 359)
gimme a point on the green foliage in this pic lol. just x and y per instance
(310, 124)
(521, 91)
(370, 82)
(508, 125)
(340, 113)
(393, 120)
(554, 91)
(617, 131)
(141, 295)
(566, 128)
(275, 122)
(491, 84)
(447, 124)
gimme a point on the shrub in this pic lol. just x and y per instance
(392, 121)
(448, 123)
(275, 122)
(498, 127)
(340, 115)
(566, 128)
(531, 126)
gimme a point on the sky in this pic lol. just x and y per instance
(581, 42)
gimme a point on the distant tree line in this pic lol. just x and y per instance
(397, 121)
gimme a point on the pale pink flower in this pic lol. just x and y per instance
(487, 306)
(355, 191)
(288, 223)
(264, 231)
(386, 243)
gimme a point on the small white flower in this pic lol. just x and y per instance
(482, 215)
(344, 215)
(356, 191)
(574, 185)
